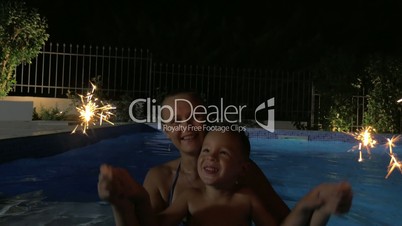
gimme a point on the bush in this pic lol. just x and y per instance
(49, 114)
(341, 115)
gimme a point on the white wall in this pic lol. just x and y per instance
(16, 111)
(14, 108)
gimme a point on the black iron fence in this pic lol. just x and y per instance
(60, 68)
(134, 72)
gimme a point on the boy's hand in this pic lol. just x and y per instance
(116, 185)
(331, 198)
(337, 198)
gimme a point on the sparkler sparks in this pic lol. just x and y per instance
(90, 111)
(366, 140)
(394, 162)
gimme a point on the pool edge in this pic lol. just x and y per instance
(56, 143)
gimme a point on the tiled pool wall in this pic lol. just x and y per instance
(45, 145)
(313, 135)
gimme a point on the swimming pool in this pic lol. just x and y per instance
(61, 189)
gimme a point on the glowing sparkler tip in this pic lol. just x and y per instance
(91, 111)
(366, 139)
(394, 162)
(360, 155)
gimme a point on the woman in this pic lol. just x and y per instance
(166, 182)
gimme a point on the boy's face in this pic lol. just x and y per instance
(189, 141)
(221, 160)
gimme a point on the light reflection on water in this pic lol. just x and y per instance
(61, 189)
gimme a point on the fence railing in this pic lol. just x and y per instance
(134, 72)
(251, 87)
(60, 68)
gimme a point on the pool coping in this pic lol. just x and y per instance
(58, 142)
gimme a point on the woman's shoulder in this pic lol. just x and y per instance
(159, 178)
(163, 170)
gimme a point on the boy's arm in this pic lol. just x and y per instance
(176, 212)
(336, 198)
(302, 213)
(317, 206)
(129, 200)
(143, 210)
(259, 212)
(256, 180)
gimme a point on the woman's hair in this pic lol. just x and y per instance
(192, 93)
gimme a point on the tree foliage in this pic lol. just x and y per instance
(383, 111)
(377, 77)
(22, 34)
(334, 78)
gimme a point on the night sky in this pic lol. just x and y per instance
(266, 34)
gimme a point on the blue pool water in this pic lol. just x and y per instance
(61, 189)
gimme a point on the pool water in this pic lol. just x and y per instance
(294, 167)
(61, 189)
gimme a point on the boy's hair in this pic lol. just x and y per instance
(245, 142)
(242, 134)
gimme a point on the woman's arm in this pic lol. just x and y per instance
(154, 185)
(255, 179)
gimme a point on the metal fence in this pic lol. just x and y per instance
(251, 87)
(59, 68)
(133, 72)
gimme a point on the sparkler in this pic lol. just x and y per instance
(90, 111)
(366, 140)
(394, 162)
(360, 153)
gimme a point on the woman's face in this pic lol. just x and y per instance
(186, 135)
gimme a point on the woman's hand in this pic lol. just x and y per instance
(116, 185)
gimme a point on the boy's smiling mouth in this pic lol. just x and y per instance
(211, 169)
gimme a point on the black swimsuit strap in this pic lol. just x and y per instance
(176, 176)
